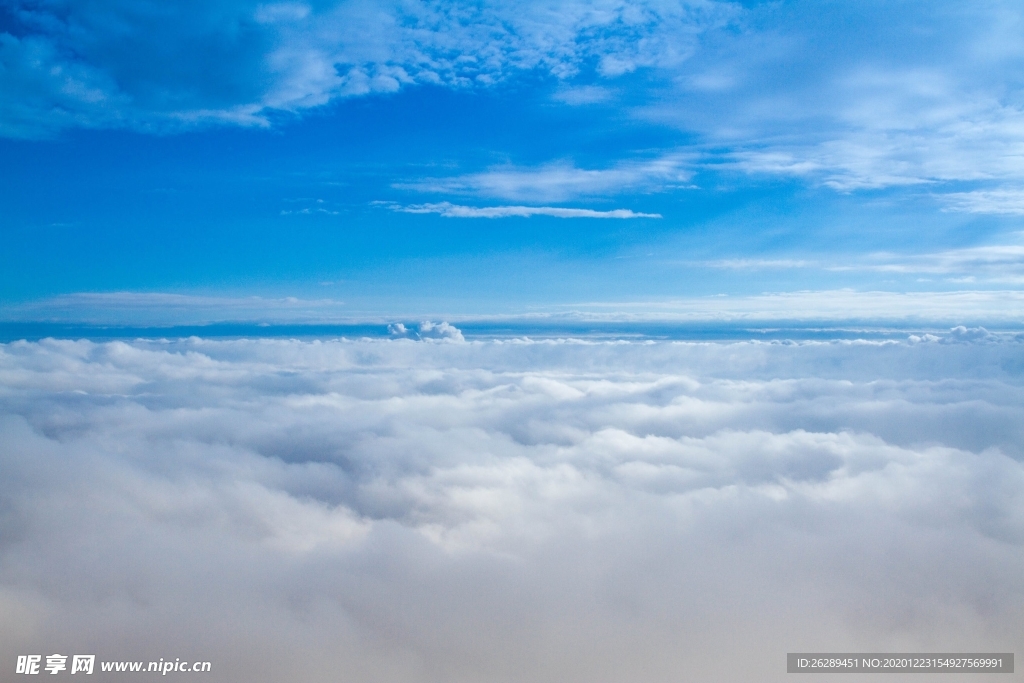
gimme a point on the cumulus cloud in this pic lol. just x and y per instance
(426, 330)
(449, 210)
(563, 510)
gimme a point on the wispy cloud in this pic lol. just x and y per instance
(313, 206)
(756, 263)
(1005, 201)
(873, 159)
(976, 306)
(163, 308)
(909, 106)
(561, 181)
(449, 210)
(994, 307)
(843, 165)
(309, 211)
(998, 259)
(581, 95)
(991, 263)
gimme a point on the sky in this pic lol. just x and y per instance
(608, 341)
(379, 160)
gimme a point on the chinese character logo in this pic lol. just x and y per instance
(56, 663)
(82, 664)
(28, 664)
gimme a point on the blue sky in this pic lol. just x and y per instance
(358, 159)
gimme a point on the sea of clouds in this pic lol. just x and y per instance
(443, 510)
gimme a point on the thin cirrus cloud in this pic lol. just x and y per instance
(308, 211)
(163, 308)
(449, 210)
(1004, 262)
(997, 307)
(1007, 201)
(583, 95)
(562, 180)
(1001, 308)
(860, 160)
(402, 510)
(919, 94)
(755, 264)
(993, 263)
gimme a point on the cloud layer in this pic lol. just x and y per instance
(409, 511)
(999, 308)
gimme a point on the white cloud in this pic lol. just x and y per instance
(450, 210)
(995, 263)
(309, 211)
(163, 308)
(492, 511)
(916, 95)
(922, 94)
(426, 330)
(584, 94)
(118, 64)
(973, 149)
(563, 181)
(273, 13)
(756, 264)
(995, 307)
(919, 94)
(1009, 201)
